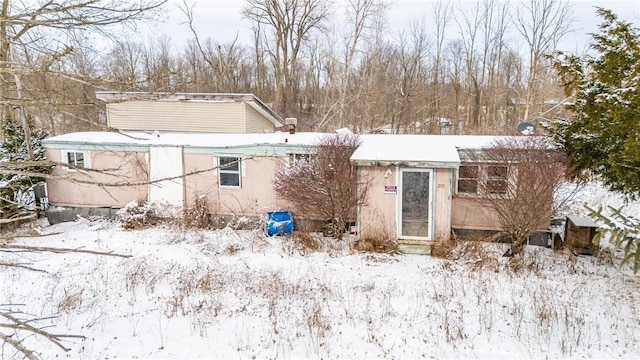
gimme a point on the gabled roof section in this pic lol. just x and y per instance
(249, 99)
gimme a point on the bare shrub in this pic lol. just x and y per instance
(518, 177)
(301, 242)
(71, 300)
(443, 248)
(528, 261)
(141, 272)
(138, 215)
(605, 257)
(474, 253)
(325, 186)
(198, 215)
(376, 242)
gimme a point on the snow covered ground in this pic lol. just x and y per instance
(227, 294)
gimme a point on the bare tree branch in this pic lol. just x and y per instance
(60, 250)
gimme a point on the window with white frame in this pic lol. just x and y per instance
(229, 171)
(484, 179)
(296, 158)
(77, 159)
(497, 179)
(468, 179)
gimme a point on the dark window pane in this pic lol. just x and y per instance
(497, 172)
(229, 179)
(303, 157)
(71, 158)
(468, 172)
(497, 186)
(468, 186)
(80, 159)
(230, 163)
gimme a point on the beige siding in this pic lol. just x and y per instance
(442, 207)
(473, 214)
(378, 215)
(178, 116)
(119, 168)
(255, 122)
(476, 213)
(255, 198)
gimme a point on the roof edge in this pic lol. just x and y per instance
(266, 111)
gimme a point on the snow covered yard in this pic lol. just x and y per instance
(227, 294)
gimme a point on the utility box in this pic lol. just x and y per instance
(579, 232)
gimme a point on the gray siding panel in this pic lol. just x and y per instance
(177, 116)
(256, 123)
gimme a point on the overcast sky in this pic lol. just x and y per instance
(221, 20)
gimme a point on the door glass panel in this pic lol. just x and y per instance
(415, 203)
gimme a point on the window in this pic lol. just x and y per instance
(296, 158)
(78, 159)
(497, 179)
(468, 179)
(229, 171)
(484, 179)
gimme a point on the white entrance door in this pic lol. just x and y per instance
(165, 173)
(415, 204)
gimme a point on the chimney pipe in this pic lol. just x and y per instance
(291, 124)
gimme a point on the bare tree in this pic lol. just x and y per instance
(47, 28)
(410, 79)
(124, 66)
(325, 185)
(521, 178)
(225, 60)
(160, 65)
(494, 26)
(361, 14)
(442, 13)
(469, 22)
(454, 59)
(284, 27)
(542, 24)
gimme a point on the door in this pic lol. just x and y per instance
(415, 204)
(167, 184)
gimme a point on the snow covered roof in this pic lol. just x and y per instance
(383, 149)
(416, 150)
(142, 140)
(582, 221)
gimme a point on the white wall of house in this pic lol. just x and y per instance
(165, 175)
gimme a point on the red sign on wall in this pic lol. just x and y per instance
(390, 189)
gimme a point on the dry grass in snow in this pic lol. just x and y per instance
(228, 294)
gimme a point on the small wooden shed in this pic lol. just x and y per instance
(579, 232)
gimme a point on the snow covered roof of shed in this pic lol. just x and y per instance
(582, 221)
(416, 150)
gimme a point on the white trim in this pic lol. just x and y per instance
(483, 178)
(431, 207)
(241, 172)
(86, 159)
